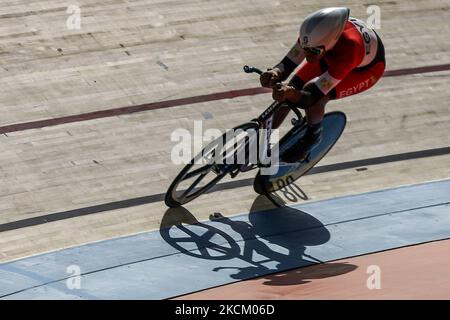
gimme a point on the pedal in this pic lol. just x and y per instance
(246, 167)
(234, 173)
(261, 165)
(215, 169)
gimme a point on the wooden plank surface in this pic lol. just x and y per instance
(177, 49)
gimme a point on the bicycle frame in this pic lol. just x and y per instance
(257, 142)
(265, 120)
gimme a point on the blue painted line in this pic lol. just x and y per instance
(180, 260)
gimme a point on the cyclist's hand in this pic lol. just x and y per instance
(269, 78)
(282, 92)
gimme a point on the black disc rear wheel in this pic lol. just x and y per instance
(334, 124)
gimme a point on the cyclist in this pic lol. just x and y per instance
(338, 56)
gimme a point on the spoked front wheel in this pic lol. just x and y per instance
(222, 156)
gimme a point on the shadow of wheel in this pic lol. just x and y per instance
(182, 231)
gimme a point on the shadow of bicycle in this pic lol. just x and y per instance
(269, 242)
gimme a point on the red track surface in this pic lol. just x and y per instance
(416, 272)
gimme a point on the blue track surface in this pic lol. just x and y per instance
(180, 260)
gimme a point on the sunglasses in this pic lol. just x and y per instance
(315, 51)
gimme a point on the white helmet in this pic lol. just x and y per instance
(323, 27)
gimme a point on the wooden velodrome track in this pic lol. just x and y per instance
(101, 176)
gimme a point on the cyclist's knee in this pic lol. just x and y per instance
(322, 102)
(312, 96)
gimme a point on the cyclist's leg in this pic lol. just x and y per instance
(361, 79)
(358, 81)
(314, 114)
(306, 72)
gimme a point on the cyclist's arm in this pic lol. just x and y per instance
(293, 58)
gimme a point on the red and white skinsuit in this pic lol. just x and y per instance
(352, 66)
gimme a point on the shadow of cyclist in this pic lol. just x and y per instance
(270, 241)
(184, 232)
